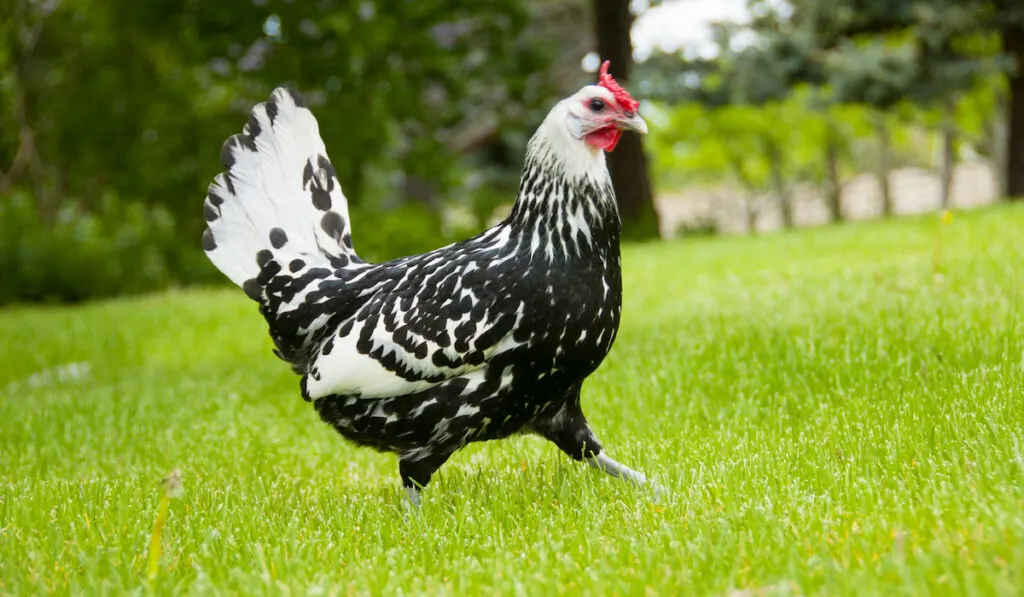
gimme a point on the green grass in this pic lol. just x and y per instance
(834, 411)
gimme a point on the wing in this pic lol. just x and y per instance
(444, 318)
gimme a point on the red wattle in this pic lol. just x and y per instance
(605, 139)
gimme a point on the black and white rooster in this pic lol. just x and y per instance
(479, 340)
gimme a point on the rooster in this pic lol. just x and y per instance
(479, 340)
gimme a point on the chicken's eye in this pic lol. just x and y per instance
(596, 104)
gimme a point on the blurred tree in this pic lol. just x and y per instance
(127, 103)
(739, 144)
(21, 26)
(881, 52)
(138, 97)
(628, 163)
(767, 151)
(980, 121)
(748, 94)
(825, 137)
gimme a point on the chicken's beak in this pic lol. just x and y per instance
(631, 121)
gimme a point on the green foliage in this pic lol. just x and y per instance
(381, 235)
(878, 52)
(120, 247)
(167, 83)
(127, 247)
(135, 99)
(696, 144)
(977, 117)
(829, 416)
(918, 60)
(693, 144)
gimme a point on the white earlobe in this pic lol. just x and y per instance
(575, 125)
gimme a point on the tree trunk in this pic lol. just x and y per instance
(627, 164)
(884, 163)
(27, 163)
(750, 212)
(1013, 44)
(834, 193)
(946, 167)
(782, 195)
(750, 207)
(996, 144)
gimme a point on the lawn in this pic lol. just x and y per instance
(833, 411)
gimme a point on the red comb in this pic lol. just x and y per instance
(622, 96)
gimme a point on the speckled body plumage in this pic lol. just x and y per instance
(557, 312)
(479, 340)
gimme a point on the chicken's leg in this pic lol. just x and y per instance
(569, 430)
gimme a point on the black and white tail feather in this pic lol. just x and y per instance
(279, 209)
(280, 197)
